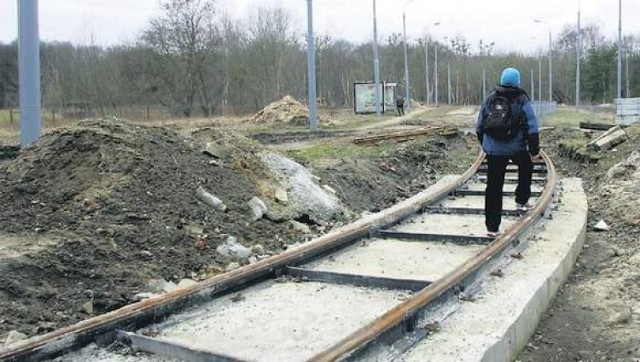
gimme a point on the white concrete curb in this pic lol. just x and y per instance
(498, 325)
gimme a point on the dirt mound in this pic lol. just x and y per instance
(98, 210)
(286, 111)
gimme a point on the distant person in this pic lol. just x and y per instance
(508, 130)
(400, 105)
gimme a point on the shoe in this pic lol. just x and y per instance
(493, 234)
(524, 207)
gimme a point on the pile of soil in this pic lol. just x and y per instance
(596, 315)
(287, 111)
(98, 210)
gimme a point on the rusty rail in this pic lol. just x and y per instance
(151, 310)
(367, 334)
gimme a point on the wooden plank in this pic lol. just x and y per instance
(596, 126)
(470, 211)
(355, 279)
(610, 141)
(481, 193)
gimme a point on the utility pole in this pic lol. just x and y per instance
(311, 65)
(406, 59)
(376, 62)
(619, 48)
(435, 74)
(484, 82)
(449, 83)
(578, 57)
(550, 67)
(533, 85)
(29, 72)
(426, 67)
(540, 78)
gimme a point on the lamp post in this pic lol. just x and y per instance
(311, 69)
(406, 60)
(435, 74)
(578, 56)
(619, 48)
(376, 62)
(550, 60)
(426, 63)
(29, 72)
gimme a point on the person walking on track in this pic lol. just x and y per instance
(507, 129)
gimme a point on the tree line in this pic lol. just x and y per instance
(195, 60)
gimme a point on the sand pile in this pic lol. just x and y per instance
(285, 111)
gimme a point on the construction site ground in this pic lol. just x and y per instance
(100, 213)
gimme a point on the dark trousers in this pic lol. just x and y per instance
(495, 181)
(400, 110)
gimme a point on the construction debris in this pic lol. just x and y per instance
(258, 208)
(400, 136)
(210, 199)
(601, 226)
(596, 126)
(608, 140)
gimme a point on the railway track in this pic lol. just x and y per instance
(365, 290)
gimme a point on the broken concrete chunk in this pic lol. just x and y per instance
(257, 249)
(258, 208)
(214, 150)
(253, 260)
(601, 226)
(210, 199)
(300, 227)
(13, 337)
(232, 266)
(232, 249)
(88, 307)
(184, 283)
(329, 189)
(281, 196)
(142, 296)
(194, 229)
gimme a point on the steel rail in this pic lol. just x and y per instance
(148, 311)
(360, 339)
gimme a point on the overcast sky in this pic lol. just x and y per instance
(507, 22)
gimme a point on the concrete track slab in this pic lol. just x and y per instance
(398, 259)
(450, 224)
(508, 203)
(502, 319)
(259, 325)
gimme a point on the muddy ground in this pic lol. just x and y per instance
(94, 213)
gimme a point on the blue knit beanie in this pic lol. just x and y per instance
(510, 76)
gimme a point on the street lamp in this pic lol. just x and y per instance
(376, 62)
(538, 21)
(29, 72)
(426, 64)
(578, 56)
(406, 60)
(619, 48)
(311, 69)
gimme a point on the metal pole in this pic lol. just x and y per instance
(540, 78)
(578, 56)
(620, 49)
(406, 61)
(550, 67)
(311, 65)
(29, 72)
(376, 61)
(426, 66)
(533, 85)
(628, 92)
(484, 82)
(435, 74)
(449, 83)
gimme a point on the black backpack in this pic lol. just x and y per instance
(501, 124)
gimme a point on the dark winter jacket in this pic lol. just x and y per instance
(528, 135)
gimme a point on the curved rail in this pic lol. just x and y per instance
(410, 307)
(148, 311)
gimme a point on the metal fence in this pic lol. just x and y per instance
(627, 111)
(543, 108)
